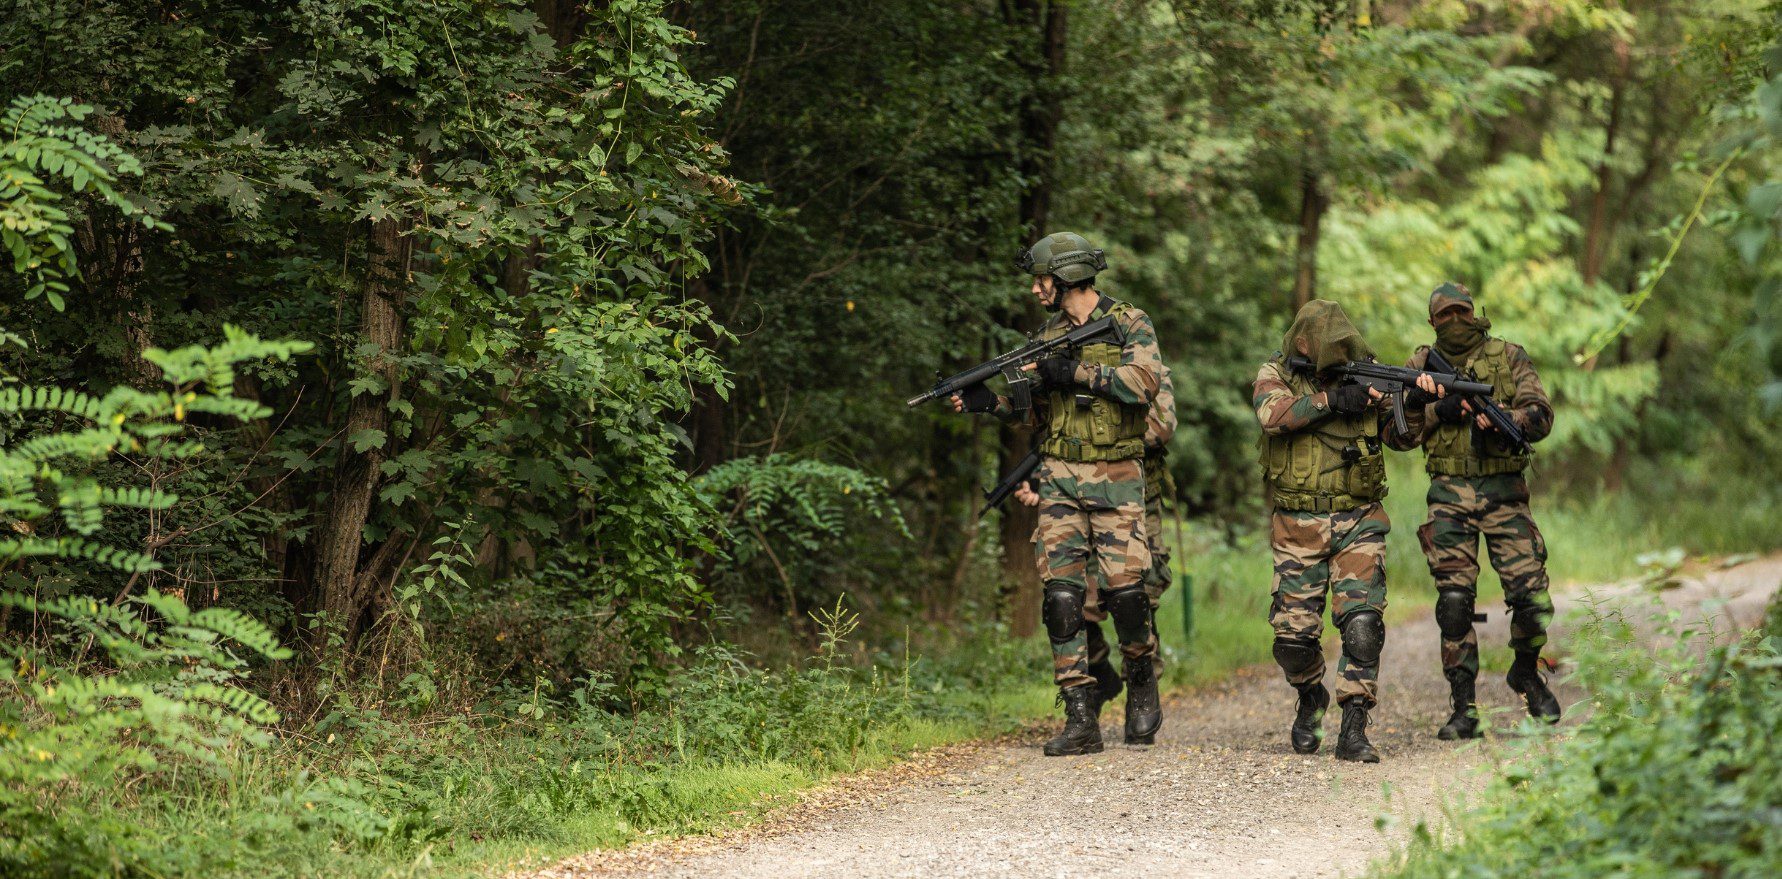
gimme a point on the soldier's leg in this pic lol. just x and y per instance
(1301, 545)
(1450, 540)
(1113, 496)
(1061, 546)
(1358, 596)
(1519, 554)
(1159, 575)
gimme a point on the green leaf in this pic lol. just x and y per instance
(365, 439)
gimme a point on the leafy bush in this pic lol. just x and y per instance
(1675, 773)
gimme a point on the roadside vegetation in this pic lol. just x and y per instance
(435, 435)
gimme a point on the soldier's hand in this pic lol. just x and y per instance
(1426, 391)
(1483, 422)
(1026, 495)
(1351, 399)
(976, 398)
(1453, 410)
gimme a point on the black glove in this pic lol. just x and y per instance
(1416, 396)
(1056, 372)
(978, 398)
(1449, 411)
(1348, 399)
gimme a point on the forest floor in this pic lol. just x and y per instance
(1220, 795)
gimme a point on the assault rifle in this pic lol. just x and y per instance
(1009, 366)
(1391, 381)
(1512, 436)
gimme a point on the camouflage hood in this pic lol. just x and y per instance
(1322, 333)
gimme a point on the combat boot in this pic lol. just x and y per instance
(1308, 721)
(1352, 743)
(1107, 682)
(1082, 724)
(1464, 724)
(1144, 711)
(1525, 678)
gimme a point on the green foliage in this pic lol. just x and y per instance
(797, 521)
(110, 697)
(1673, 773)
(44, 149)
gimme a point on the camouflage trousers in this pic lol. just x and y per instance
(1343, 554)
(1460, 510)
(1091, 512)
(1157, 578)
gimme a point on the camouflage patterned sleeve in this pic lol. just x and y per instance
(1005, 411)
(1530, 408)
(1277, 410)
(1140, 371)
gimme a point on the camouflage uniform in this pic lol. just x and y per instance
(1325, 474)
(1477, 488)
(1095, 509)
(1160, 427)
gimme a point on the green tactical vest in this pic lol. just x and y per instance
(1450, 450)
(1089, 427)
(1330, 467)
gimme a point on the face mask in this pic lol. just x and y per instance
(1460, 335)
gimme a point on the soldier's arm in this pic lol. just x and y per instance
(1005, 412)
(1529, 408)
(1278, 410)
(1140, 372)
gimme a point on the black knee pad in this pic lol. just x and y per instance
(1131, 610)
(1063, 611)
(1454, 613)
(1364, 634)
(1295, 656)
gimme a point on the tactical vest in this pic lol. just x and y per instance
(1451, 449)
(1089, 427)
(1332, 466)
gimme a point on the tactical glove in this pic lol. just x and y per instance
(978, 398)
(1449, 411)
(1416, 396)
(1348, 399)
(1056, 372)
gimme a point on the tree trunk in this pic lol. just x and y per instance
(1039, 134)
(345, 594)
(1600, 229)
(1313, 202)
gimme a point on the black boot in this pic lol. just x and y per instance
(1525, 678)
(1464, 724)
(1082, 724)
(1352, 743)
(1308, 721)
(1144, 711)
(1107, 682)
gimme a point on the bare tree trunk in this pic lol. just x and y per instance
(1039, 133)
(344, 593)
(1313, 202)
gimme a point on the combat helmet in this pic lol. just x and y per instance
(1066, 256)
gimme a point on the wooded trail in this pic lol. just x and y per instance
(1220, 795)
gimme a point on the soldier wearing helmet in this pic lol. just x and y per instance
(1090, 487)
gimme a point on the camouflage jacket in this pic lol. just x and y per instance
(1135, 381)
(1280, 411)
(1528, 406)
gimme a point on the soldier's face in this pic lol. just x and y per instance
(1044, 290)
(1449, 315)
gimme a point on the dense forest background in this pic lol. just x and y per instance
(547, 350)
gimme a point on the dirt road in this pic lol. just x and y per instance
(1220, 795)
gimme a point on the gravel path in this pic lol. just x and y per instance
(1220, 795)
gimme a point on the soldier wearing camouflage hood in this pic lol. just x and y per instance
(1325, 472)
(1090, 486)
(1477, 487)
